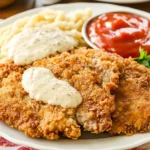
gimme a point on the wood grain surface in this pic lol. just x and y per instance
(17, 7)
(22, 5)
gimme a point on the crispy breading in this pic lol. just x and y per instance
(35, 118)
(95, 78)
(93, 73)
(132, 112)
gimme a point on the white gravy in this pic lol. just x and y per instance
(42, 85)
(36, 43)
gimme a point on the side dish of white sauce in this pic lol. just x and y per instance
(36, 43)
(42, 85)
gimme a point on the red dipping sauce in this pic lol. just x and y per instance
(121, 33)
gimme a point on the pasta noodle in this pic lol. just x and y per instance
(71, 22)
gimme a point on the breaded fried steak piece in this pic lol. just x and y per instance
(93, 73)
(35, 118)
(132, 112)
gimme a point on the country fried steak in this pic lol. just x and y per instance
(132, 98)
(95, 75)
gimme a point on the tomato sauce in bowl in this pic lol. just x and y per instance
(120, 32)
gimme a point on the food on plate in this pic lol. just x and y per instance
(132, 98)
(42, 85)
(120, 32)
(50, 85)
(71, 22)
(144, 58)
(36, 43)
(92, 73)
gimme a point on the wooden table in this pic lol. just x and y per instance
(22, 5)
(17, 7)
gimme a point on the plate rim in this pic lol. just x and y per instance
(34, 145)
(124, 2)
(33, 11)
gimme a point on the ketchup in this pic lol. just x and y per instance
(121, 33)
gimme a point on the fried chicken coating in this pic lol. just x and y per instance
(132, 112)
(93, 73)
(35, 118)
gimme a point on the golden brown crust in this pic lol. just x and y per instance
(132, 112)
(97, 75)
(35, 118)
(93, 73)
(95, 78)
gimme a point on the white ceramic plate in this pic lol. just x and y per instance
(124, 1)
(87, 141)
(1, 20)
